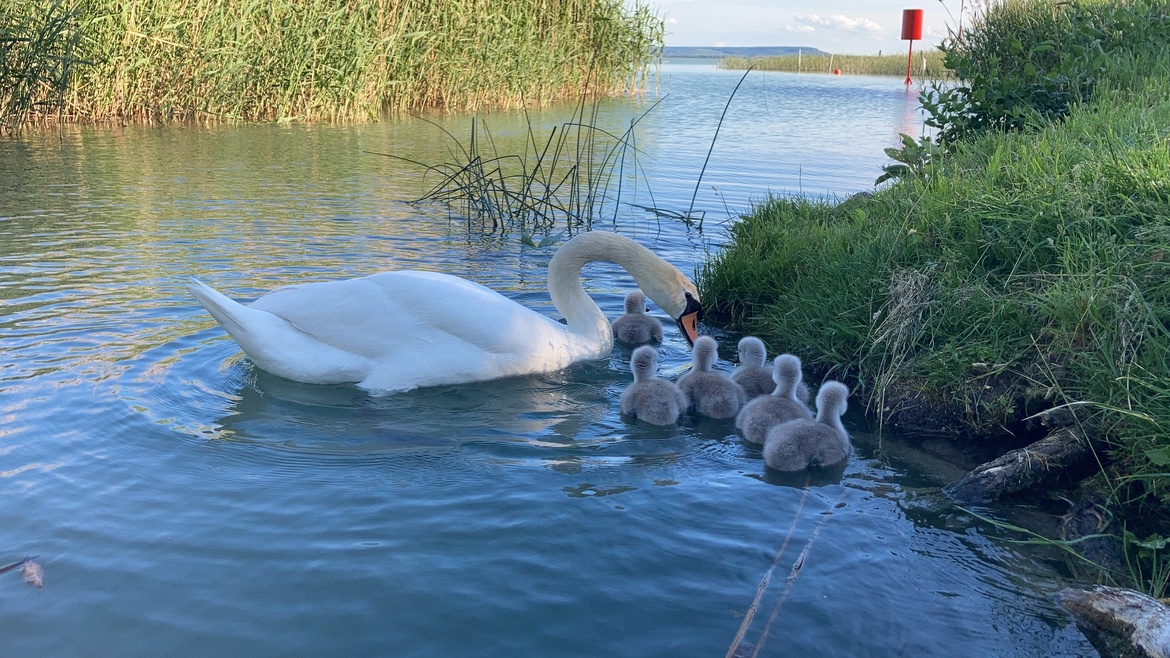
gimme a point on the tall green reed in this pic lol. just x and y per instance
(337, 60)
(578, 174)
(38, 56)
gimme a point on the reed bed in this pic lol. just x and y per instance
(577, 174)
(580, 173)
(37, 57)
(318, 60)
(925, 64)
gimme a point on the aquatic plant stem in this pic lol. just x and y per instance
(699, 180)
(751, 611)
(796, 566)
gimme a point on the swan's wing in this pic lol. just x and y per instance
(430, 327)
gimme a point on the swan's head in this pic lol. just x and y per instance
(704, 353)
(752, 351)
(644, 363)
(832, 399)
(636, 302)
(674, 293)
(786, 374)
(688, 320)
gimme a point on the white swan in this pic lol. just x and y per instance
(765, 412)
(635, 327)
(711, 393)
(649, 398)
(798, 444)
(400, 330)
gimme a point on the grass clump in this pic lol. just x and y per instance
(927, 63)
(337, 60)
(573, 177)
(1035, 252)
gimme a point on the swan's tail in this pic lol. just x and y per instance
(228, 312)
(277, 345)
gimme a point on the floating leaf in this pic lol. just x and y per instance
(526, 239)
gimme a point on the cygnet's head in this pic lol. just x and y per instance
(832, 399)
(644, 363)
(704, 353)
(752, 351)
(636, 302)
(786, 373)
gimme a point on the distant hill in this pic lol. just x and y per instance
(715, 52)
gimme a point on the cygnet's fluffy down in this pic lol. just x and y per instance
(635, 327)
(711, 393)
(754, 375)
(798, 444)
(763, 413)
(649, 398)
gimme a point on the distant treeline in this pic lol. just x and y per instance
(714, 52)
(925, 64)
(142, 60)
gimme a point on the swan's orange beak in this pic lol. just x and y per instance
(688, 322)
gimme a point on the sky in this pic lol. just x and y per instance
(855, 27)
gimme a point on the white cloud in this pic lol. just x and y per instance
(836, 22)
(804, 29)
(671, 21)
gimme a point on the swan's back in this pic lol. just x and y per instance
(763, 413)
(635, 327)
(393, 331)
(711, 393)
(798, 444)
(650, 399)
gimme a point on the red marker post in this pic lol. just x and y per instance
(911, 30)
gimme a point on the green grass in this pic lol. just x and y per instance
(1039, 255)
(337, 60)
(927, 63)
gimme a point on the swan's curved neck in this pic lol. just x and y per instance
(831, 416)
(564, 280)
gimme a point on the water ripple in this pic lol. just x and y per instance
(184, 502)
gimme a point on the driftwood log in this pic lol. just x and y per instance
(1120, 622)
(1018, 470)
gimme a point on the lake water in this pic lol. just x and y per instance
(184, 503)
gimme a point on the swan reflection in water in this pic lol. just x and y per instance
(550, 409)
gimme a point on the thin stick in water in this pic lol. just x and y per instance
(691, 208)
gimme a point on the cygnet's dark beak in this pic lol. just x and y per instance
(688, 322)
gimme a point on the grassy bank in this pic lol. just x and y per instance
(1031, 246)
(926, 64)
(140, 60)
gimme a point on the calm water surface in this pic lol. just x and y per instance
(184, 503)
